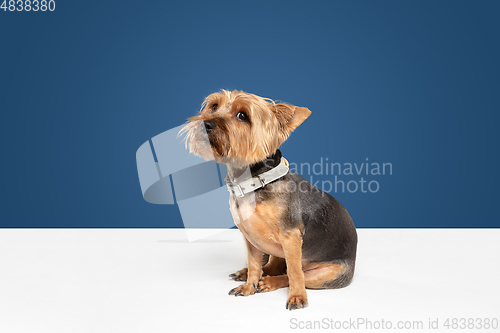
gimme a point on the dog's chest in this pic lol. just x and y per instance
(258, 222)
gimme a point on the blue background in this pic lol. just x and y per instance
(412, 83)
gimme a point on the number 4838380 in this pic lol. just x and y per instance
(28, 5)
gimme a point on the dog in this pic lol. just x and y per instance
(296, 235)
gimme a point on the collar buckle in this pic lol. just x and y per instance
(261, 181)
(232, 187)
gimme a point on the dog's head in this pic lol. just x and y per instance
(237, 125)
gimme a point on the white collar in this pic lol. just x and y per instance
(252, 184)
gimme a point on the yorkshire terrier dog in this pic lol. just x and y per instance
(307, 236)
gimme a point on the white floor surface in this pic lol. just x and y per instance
(155, 280)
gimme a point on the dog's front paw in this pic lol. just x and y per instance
(240, 275)
(246, 289)
(296, 302)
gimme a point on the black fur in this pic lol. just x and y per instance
(329, 234)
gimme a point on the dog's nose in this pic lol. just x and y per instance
(209, 125)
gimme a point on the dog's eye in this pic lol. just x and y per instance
(242, 116)
(215, 106)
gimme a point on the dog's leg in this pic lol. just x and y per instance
(270, 283)
(275, 266)
(291, 241)
(254, 260)
(320, 276)
(329, 275)
(272, 266)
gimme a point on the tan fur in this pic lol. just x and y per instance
(315, 277)
(275, 266)
(292, 245)
(262, 229)
(270, 125)
(238, 143)
(320, 274)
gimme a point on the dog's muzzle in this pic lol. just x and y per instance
(209, 125)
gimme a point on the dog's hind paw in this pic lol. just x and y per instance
(270, 283)
(240, 275)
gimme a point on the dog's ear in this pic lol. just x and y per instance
(299, 115)
(290, 116)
